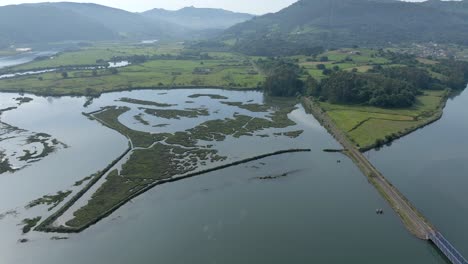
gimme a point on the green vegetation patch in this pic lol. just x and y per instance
(370, 126)
(53, 200)
(49, 146)
(80, 182)
(143, 102)
(140, 119)
(249, 107)
(143, 168)
(212, 96)
(109, 117)
(23, 100)
(167, 155)
(293, 134)
(156, 73)
(177, 114)
(30, 224)
(5, 165)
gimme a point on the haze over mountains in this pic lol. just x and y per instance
(301, 26)
(52, 22)
(199, 18)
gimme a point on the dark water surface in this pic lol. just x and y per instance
(322, 212)
(430, 167)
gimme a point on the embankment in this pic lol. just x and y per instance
(47, 225)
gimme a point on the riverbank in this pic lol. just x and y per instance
(372, 127)
(158, 158)
(410, 216)
(47, 225)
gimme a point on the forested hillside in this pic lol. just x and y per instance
(344, 23)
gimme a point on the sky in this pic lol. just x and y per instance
(257, 7)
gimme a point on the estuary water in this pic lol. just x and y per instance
(430, 166)
(322, 211)
(22, 58)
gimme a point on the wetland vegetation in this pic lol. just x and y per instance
(50, 200)
(143, 102)
(30, 224)
(156, 157)
(373, 95)
(30, 147)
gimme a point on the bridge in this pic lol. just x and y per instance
(445, 247)
(410, 216)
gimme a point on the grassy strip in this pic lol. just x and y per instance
(176, 113)
(438, 113)
(46, 226)
(212, 96)
(404, 217)
(371, 127)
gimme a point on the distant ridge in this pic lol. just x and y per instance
(199, 18)
(69, 21)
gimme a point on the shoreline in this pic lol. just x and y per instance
(73, 94)
(47, 227)
(437, 115)
(411, 218)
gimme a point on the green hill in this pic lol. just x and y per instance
(36, 23)
(344, 23)
(64, 21)
(123, 23)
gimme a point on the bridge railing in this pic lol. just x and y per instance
(448, 249)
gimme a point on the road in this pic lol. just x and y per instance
(412, 219)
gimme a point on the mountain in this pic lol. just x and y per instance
(36, 23)
(123, 23)
(456, 7)
(68, 21)
(344, 23)
(199, 18)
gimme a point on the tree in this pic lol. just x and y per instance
(321, 66)
(284, 81)
(95, 72)
(312, 87)
(327, 72)
(64, 74)
(323, 58)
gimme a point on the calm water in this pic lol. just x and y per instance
(323, 212)
(430, 167)
(23, 58)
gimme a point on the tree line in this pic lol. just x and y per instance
(390, 87)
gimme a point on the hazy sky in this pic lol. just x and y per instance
(249, 6)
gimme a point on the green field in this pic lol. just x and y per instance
(233, 71)
(365, 125)
(345, 59)
(101, 51)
